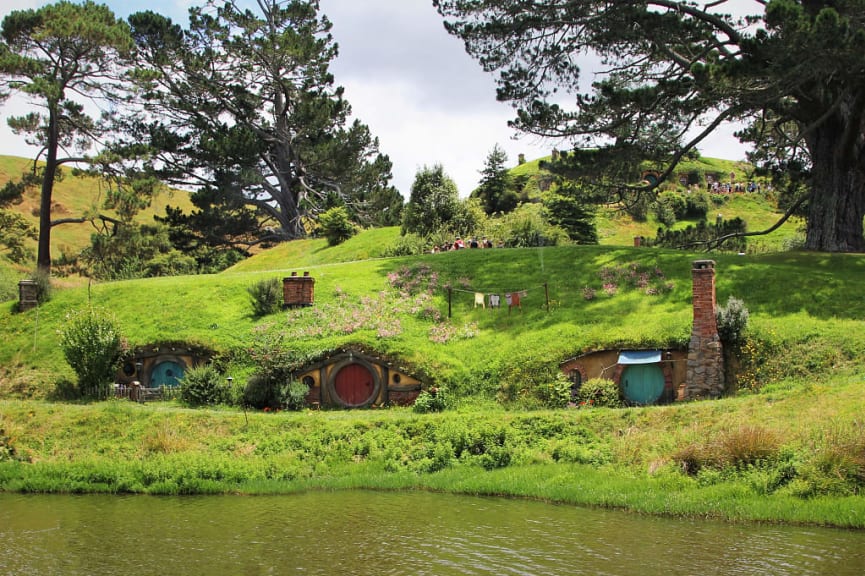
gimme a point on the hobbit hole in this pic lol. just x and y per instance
(353, 378)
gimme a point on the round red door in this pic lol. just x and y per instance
(354, 385)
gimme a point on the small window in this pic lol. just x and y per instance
(309, 381)
(576, 378)
(396, 378)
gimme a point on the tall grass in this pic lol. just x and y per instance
(801, 465)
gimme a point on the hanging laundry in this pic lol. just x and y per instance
(508, 299)
(495, 301)
(515, 300)
(480, 300)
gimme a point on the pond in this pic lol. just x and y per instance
(376, 533)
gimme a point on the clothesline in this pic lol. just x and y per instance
(512, 299)
(471, 291)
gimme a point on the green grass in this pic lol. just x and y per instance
(622, 458)
(796, 300)
(805, 333)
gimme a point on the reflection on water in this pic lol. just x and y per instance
(373, 533)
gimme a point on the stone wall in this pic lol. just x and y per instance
(705, 377)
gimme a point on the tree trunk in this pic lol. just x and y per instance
(837, 203)
(43, 255)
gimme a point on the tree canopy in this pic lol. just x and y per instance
(243, 109)
(496, 190)
(434, 202)
(59, 57)
(669, 73)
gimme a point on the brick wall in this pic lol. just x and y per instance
(298, 290)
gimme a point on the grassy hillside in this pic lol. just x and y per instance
(73, 198)
(617, 228)
(799, 303)
(790, 453)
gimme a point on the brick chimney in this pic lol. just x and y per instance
(705, 378)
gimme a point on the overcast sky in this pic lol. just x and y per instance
(425, 99)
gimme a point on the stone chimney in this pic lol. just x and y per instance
(705, 377)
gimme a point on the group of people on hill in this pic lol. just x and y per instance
(733, 187)
(460, 244)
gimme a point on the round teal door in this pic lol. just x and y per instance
(167, 373)
(642, 383)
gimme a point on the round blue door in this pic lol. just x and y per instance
(642, 383)
(167, 373)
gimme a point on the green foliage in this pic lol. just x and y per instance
(294, 396)
(525, 227)
(672, 206)
(639, 113)
(57, 55)
(433, 204)
(336, 226)
(127, 251)
(267, 392)
(407, 245)
(696, 206)
(92, 346)
(14, 231)
(568, 211)
(705, 234)
(638, 207)
(43, 285)
(598, 393)
(8, 282)
(272, 385)
(732, 320)
(265, 296)
(556, 393)
(203, 385)
(269, 170)
(432, 400)
(496, 191)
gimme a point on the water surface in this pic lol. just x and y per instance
(380, 533)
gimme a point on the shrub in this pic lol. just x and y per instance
(294, 395)
(261, 392)
(697, 205)
(739, 448)
(203, 385)
(43, 286)
(664, 213)
(336, 226)
(557, 392)
(599, 392)
(732, 320)
(432, 400)
(91, 343)
(407, 245)
(266, 296)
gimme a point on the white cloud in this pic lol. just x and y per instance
(413, 84)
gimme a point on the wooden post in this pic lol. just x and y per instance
(547, 296)
(450, 293)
